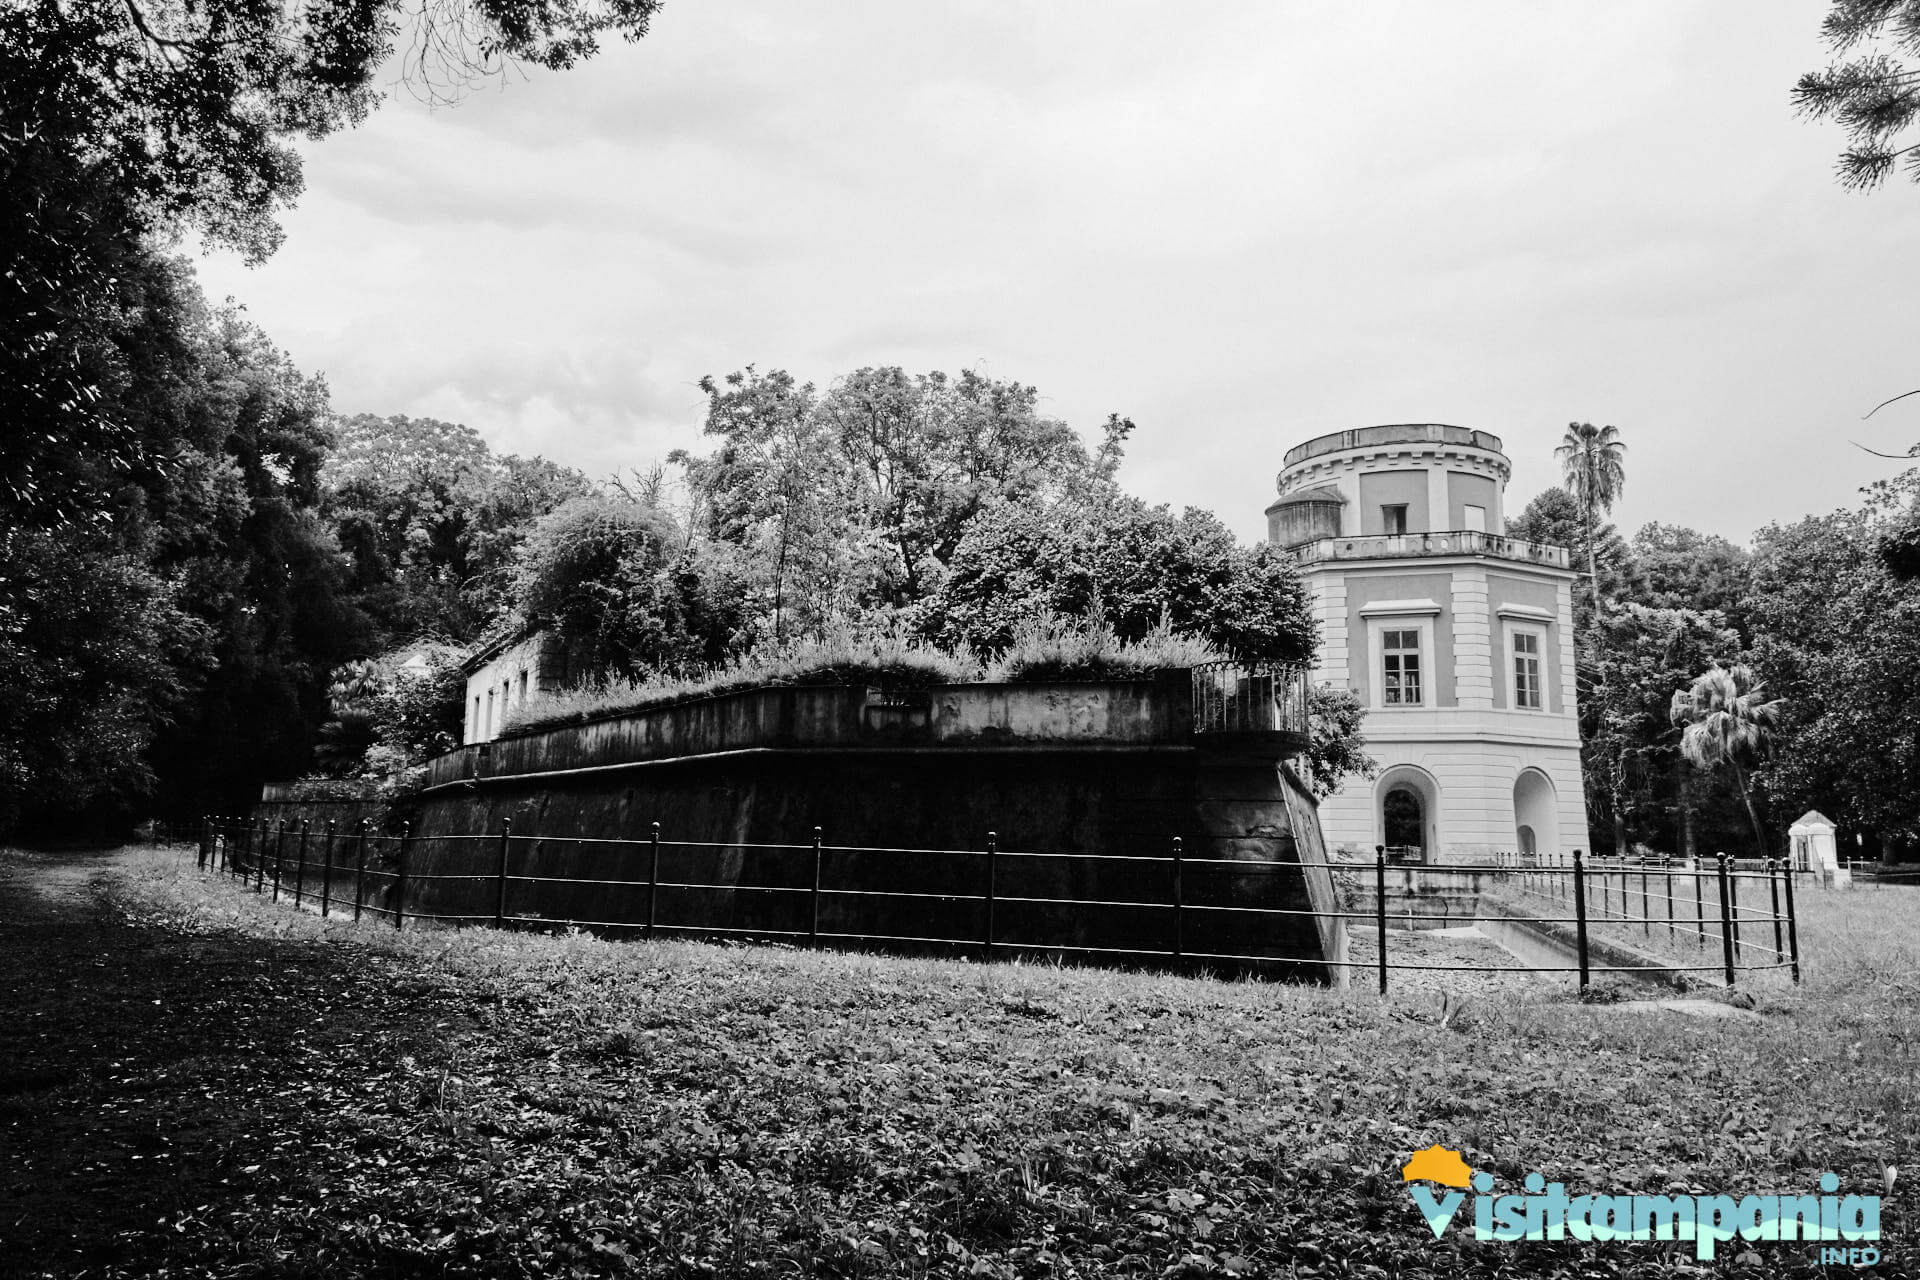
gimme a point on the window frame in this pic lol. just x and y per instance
(1422, 625)
(1538, 632)
(1387, 519)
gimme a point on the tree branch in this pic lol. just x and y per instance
(1884, 403)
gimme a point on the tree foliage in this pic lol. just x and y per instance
(1727, 720)
(856, 502)
(614, 578)
(1838, 639)
(433, 521)
(125, 119)
(1871, 89)
(1116, 558)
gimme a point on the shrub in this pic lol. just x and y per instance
(1051, 647)
(841, 658)
(1045, 649)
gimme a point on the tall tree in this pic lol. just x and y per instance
(1871, 89)
(1593, 471)
(1727, 719)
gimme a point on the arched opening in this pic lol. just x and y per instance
(1407, 810)
(1403, 821)
(1535, 814)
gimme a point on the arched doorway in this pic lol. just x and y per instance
(1407, 813)
(1403, 820)
(1536, 823)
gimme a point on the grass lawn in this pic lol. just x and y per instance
(257, 1092)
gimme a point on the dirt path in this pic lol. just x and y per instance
(145, 1071)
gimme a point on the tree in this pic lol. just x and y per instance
(612, 577)
(432, 521)
(1839, 638)
(1554, 517)
(1593, 467)
(1727, 719)
(1680, 568)
(778, 490)
(1872, 89)
(927, 453)
(1631, 750)
(855, 503)
(91, 650)
(123, 119)
(1114, 557)
(1336, 749)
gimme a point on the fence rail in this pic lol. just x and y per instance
(1727, 918)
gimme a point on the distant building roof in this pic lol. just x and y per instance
(1813, 818)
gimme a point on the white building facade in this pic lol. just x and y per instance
(1457, 639)
(503, 674)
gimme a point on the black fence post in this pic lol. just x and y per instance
(1733, 914)
(1773, 891)
(653, 879)
(500, 879)
(1646, 903)
(1726, 922)
(300, 867)
(1179, 901)
(1793, 927)
(1580, 913)
(1699, 906)
(1666, 892)
(326, 875)
(813, 895)
(360, 872)
(400, 877)
(1380, 909)
(279, 857)
(993, 847)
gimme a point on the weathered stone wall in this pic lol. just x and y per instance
(1081, 782)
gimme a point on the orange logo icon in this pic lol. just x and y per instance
(1437, 1164)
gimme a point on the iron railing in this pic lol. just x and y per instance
(1452, 542)
(1744, 921)
(1249, 697)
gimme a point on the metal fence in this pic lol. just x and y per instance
(663, 886)
(1722, 919)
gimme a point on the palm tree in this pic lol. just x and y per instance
(1725, 718)
(1593, 467)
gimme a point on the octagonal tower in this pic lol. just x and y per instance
(1457, 639)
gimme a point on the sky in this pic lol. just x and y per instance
(1240, 225)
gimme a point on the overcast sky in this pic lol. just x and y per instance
(1241, 225)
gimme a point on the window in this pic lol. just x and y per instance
(1400, 666)
(1526, 669)
(473, 734)
(1394, 519)
(523, 686)
(1474, 518)
(486, 728)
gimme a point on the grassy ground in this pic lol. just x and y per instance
(196, 1082)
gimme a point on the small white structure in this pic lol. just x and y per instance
(1457, 638)
(503, 674)
(1815, 850)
